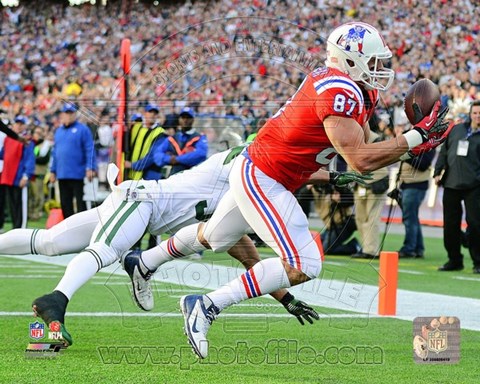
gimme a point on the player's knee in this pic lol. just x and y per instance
(312, 267)
(213, 240)
(106, 254)
(217, 246)
(301, 273)
(201, 238)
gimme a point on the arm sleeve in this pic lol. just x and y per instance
(29, 163)
(8, 131)
(53, 166)
(160, 157)
(423, 162)
(441, 163)
(143, 163)
(89, 149)
(197, 156)
(155, 156)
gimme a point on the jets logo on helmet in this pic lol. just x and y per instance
(359, 50)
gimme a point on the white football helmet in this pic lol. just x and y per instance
(351, 48)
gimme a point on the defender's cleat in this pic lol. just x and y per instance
(140, 276)
(51, 308)
(199, 313)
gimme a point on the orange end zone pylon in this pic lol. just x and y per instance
(387, 285)
(122, 133)
(318, 240)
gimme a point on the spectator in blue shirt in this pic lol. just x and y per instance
(186, 148)
(73, 159)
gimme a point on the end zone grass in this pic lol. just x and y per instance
(106, 351)
(122, 346)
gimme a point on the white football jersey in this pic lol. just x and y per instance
(187, 197)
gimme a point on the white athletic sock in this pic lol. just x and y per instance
(81, 269)
(18, 242)
(182, 244)
(264, 277)
(154, 257)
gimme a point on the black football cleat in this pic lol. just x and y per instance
(51, 308)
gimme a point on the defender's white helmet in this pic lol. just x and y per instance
(350, 48)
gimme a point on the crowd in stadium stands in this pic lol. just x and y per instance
(233, 57)
(209, 56)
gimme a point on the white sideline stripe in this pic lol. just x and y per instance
(354, 294)
(168, 290)
(259, 305)
(337, 263)
(466, 278)
(14, 261)
(410, 272)
(177, 290)
(173, 314)
(36, 276)
(28, 266)
(59, 273)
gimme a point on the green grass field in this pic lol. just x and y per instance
(116, 342)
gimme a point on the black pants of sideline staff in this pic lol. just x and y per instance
(70, 189)
(17, 200)
(452, 217)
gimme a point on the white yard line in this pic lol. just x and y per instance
(350, 294)
(175, 314)
(24, 266)
(410, 272)
(466, 278)
(32, 276)
(337, 263)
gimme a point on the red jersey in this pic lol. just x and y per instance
(293, 144)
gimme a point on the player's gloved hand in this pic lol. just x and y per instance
(427, 146)
(341, 179)
(299, 309)
(431, 126)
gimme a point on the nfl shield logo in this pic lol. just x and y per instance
(37, 330)
(437, 341)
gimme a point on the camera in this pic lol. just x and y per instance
(396, 194)
(328, 189)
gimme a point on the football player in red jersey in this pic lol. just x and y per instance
(328, 115)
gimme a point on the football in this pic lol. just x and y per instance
(424, 93)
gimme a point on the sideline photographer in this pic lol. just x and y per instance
(334, 205)
(369, 202)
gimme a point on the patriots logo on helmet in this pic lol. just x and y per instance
(353, 40)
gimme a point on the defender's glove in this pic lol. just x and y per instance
(299, 309)
(431, 126)
(341, 179)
